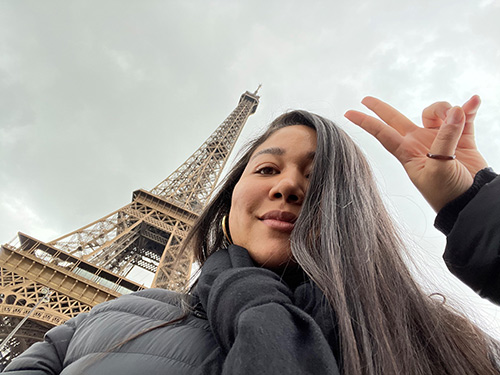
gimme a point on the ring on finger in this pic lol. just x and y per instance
(441, 157)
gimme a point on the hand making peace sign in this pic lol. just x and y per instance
(447, 131)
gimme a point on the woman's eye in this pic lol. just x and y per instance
(267, 171)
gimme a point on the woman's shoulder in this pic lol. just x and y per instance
(156, 326)
(161, 295)
(158, 304)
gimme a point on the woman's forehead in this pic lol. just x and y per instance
(290, 138)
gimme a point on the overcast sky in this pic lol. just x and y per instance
(100, 98)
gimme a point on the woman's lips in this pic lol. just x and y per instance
(279, 220)
(282, 226)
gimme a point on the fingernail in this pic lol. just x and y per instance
(365, 99)
(454, 115)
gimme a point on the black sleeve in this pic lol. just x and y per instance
(472, 225)
(46, 357)
(255, 321)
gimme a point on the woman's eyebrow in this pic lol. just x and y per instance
(270, 150)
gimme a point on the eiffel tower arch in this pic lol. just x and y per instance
(92, 264)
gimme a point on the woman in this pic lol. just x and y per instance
(302, 271)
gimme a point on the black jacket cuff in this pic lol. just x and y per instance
(447, 216)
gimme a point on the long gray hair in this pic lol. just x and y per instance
(345, 240)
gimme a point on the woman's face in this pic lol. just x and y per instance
(269, 195)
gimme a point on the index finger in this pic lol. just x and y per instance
(386, 135)
(389, 115)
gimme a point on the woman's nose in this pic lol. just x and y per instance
(289, 188)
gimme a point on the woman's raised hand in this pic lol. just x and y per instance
(446, 130)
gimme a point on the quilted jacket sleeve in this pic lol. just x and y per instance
(472, 226)
(46, 357)
(255, 321)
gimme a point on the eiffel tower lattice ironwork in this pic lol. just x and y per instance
(91, 265)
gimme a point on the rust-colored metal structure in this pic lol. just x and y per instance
(91, 265)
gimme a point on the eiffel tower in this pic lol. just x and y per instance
(92, 264)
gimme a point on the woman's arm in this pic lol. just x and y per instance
(255, 321)
(472, 226)
(469, 213)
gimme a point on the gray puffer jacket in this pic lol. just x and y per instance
(82, 345)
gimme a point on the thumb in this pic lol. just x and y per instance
(450, 132)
